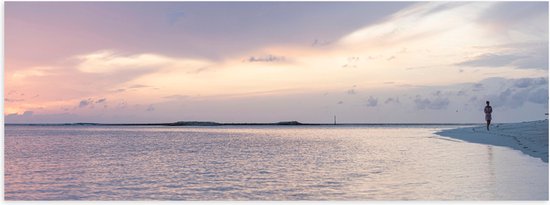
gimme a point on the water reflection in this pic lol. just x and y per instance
(261, 163)
(491, 163)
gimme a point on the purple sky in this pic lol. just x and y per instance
(275, 61)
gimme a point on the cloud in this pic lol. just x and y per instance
(90, 102)
(433, 104)
(267, 59)
(416, 23)
(319, 64)
(13, 100)
(39, 71)
(176, 97)
(514, 93)
(30, 117)
(513, 98)
(320, 43)
(25, 114)
(518, 91)
(491, 60)
(199, 70)
(392, 100)
(174, 17)
(352, 62)
(101, 100)
(437, 93)
(138, 86)
(372, 102)
(539, 96)
(19, 118)
(121, 105)
(108, 61)
(508, 98)
(534, 61)
(84, 103)
(527, 82)
(521, 56)
(477, 87)
(436, 8)
(504, 14)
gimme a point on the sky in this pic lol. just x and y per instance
(363, 62)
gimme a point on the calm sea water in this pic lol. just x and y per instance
(262, 163)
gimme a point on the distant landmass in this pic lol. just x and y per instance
(209, 123)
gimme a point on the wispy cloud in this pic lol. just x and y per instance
(177, 97)
(108, 61)
(138, 86)
(320, 43)
(267, 59)
(39, 71)
(538, 61)
(102, 100)
(352, 62)
(121, 105)
(174, 17)
(506, 16)
(13, 100)
(491, 60)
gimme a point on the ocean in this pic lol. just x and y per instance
(369, 162)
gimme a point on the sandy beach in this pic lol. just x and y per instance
(530, 138)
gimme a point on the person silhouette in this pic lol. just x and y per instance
(488, 110)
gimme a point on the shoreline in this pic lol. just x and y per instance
(206, 123)
(530, 138)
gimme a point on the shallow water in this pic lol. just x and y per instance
(262, 163)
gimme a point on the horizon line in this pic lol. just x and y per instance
(212, 123)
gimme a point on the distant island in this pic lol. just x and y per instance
(209, 123)
(201, 123)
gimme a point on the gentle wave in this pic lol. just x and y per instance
(262, 163)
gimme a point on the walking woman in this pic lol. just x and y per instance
(488, 110)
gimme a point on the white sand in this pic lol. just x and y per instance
(529, 137)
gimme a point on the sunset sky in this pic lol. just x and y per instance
(372, 62)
